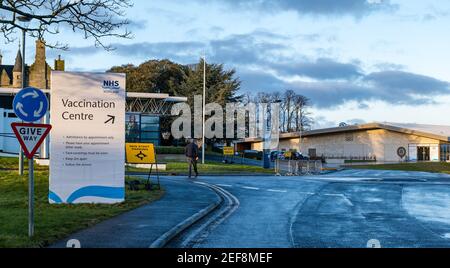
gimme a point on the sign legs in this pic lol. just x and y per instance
(31, 197)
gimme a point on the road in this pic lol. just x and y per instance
(343, 209)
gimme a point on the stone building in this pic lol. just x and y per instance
(37, 75)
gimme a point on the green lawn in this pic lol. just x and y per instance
(436, 167)
(211, 168)
(53, 222)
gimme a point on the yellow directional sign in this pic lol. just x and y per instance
(140, 153)
(288, 154)
(228, 150)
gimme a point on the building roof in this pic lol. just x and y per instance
(290, 135)
(8, 69)
(130, 95)
(441, 133)
(18, 63)
(161, 96)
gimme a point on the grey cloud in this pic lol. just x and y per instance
(260, 67)
(322, 68)
(326, 94)
(137, 24)
(408, 83)
(357, 8)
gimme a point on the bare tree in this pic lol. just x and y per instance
(95, 19)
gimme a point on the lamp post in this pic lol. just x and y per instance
(26, 20)
(204, 109)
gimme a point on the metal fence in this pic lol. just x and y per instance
(298, 167)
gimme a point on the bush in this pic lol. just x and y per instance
(169, 150)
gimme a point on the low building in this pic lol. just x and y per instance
(383, 142)
(380, 142)
(288, 141)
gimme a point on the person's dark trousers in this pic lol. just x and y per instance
(192, 163)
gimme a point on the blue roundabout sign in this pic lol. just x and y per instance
(30, 104)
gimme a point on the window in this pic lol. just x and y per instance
(312, 152)
(445, 152)
(142, 128)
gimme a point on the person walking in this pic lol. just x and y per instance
(191, 152)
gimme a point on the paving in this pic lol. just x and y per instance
(142, 227)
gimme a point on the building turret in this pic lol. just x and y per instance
(40, 71)
(59, 64)
(17, 71)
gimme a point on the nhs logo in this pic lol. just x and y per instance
(111, 86)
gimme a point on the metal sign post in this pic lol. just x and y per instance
(31, 197)
(30, 105)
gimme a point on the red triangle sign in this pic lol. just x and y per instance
(30, 136)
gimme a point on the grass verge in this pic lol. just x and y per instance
(436, 167)
(209, 168)
(52, 222)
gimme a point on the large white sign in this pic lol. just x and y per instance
(87, 142)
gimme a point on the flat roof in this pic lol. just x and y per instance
(438, 132)
(130, 95)
(290, 135)
(441, 133)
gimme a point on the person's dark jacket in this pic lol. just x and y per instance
(191, 150)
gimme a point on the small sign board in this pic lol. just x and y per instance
(288, 154)
(140, 153)
(30, 136)
(228, 150)
(30, 104)
(401, 152)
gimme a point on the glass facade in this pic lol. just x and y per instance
(142, 128)
(445, 152)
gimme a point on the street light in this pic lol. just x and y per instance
(204, 109)
(25, 20)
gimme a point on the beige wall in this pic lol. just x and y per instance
(285, 144)
(379, 143)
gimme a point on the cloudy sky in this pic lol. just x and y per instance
(357, 60)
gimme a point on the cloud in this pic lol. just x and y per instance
(322, 68)
(263, 65)
(137, 24)
(356, 8)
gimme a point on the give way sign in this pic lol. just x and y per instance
(30, 136)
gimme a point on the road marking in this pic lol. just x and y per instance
(250, 188)
(345, 198)
(224, 185)
(308, 193)
(277, 191)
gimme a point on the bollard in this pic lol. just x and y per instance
(373, 243)
(73, 243)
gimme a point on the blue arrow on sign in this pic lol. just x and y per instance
(30, 104)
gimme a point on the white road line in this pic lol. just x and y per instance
(250, 188)
(308, 193)
(277, 191)
(345, 198)
(224, 185)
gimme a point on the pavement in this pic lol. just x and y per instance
(152, 223)
(342, 209)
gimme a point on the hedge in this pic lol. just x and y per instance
(169, 150)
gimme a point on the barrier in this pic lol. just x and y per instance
(298, 167)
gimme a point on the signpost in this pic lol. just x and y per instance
(143, 153)
(87, 147)
(228, 150)
(30, 105)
